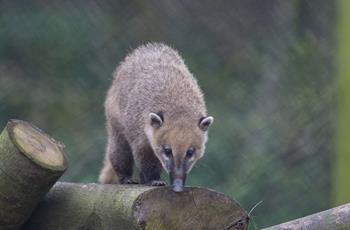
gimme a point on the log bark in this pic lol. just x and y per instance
(333, 219)
(30, 163)
(96, 206)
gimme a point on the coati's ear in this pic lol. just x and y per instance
(156, 120)
(205, 122)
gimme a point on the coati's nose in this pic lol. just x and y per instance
(177, 180)
(178, 185)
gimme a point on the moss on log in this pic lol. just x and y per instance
(333, 219)
(96, 206)
(30, 163)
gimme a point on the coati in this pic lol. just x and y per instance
(156, 118)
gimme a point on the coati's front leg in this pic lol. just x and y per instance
(119, 157)
(149, 165)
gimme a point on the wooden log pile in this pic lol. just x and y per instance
(31, 162)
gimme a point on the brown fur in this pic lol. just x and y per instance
(154, 101)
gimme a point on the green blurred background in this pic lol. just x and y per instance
(270, 70)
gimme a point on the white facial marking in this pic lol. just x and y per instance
(155, 120)
(206, 122)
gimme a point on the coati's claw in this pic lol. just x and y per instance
(128, 181)
(158, 183)
(132, 182)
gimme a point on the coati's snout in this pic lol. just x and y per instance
(177, 167)
(178, 184)
(178, 145)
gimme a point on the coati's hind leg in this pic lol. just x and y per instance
(107, 174)
(150, 167)
(119, 160)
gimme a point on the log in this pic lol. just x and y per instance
(96, 206)
(333, 219)
(30, 163)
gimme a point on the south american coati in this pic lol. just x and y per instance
(156, 118)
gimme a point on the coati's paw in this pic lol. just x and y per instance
(158, 183)
(128, 181)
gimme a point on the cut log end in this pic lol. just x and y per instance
(195, 208)
(30, 163)
(37, 146)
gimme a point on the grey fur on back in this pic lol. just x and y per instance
(153, 78)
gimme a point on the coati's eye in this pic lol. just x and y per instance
(190, 152)
(168, 152)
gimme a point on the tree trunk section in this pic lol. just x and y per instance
(333, 219)
(95, 206)
(30, 163)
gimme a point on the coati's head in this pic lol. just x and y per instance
(177, 144)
